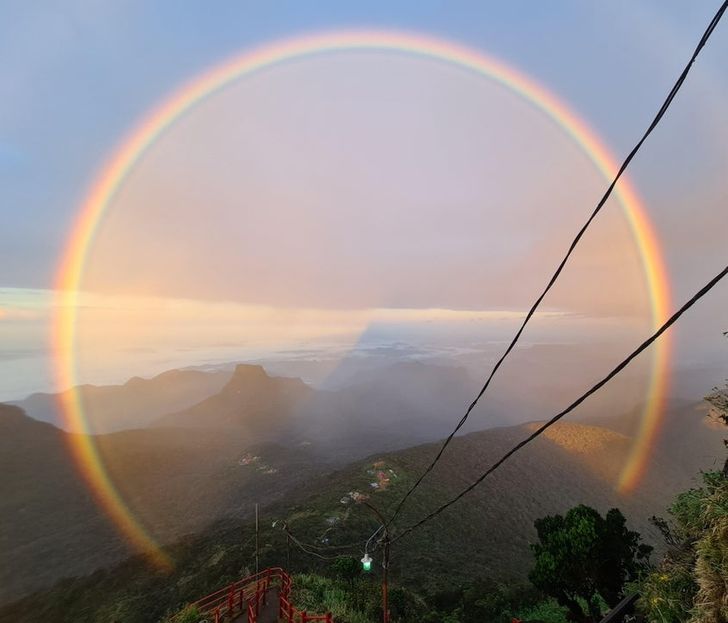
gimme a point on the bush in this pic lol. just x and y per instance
(484, 600)
(691, 583)
(189, 614)
(346, 568)
(547, 611)
(667, 595)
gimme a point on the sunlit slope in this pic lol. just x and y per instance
(489, 531)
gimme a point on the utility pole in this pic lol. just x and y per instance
(385, 563)
(257, 542)
(385, 574)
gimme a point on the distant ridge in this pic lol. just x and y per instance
(251, 400)
(135, 404)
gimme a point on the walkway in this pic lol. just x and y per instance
(232, 598)
(268, 613)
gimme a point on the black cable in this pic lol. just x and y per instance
(326, 548)
(308, 551)
(702, 292)
(348, 546)
(311, 549)
(661, 112)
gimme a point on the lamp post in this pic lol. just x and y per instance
(367, 562)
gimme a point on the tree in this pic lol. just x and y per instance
(583, 557)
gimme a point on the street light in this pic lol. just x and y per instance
(367, 561)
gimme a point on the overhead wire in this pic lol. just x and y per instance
(309, 551)
(623, 364)
(661, 112)
(311, 547)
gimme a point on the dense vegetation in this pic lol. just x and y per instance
(132, 593)
(584, 560)
(718, 400)
(430, 570)
(435, 576)
(691, 583)
(484, 600)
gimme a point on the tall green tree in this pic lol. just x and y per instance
(583, 558)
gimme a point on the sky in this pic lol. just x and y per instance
(351, 181)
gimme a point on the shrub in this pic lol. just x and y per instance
(189, 614)
(691, 583)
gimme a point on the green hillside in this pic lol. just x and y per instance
(484, 538)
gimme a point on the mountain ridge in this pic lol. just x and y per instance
(251, 399)
(132, 404)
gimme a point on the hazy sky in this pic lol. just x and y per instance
(78, 75)
(358, 180)
(361, 180)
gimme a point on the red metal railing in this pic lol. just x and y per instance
(250, 594)
(233, 599)
(288, 612)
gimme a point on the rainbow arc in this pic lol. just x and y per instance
(112, 175)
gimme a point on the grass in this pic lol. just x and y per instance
(547, 611)
(690, 585)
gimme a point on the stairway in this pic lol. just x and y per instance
(268, 592)
(268, 613)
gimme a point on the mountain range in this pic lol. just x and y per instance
(278, 442)
(135, 404)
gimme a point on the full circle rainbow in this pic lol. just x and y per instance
(124, 158)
